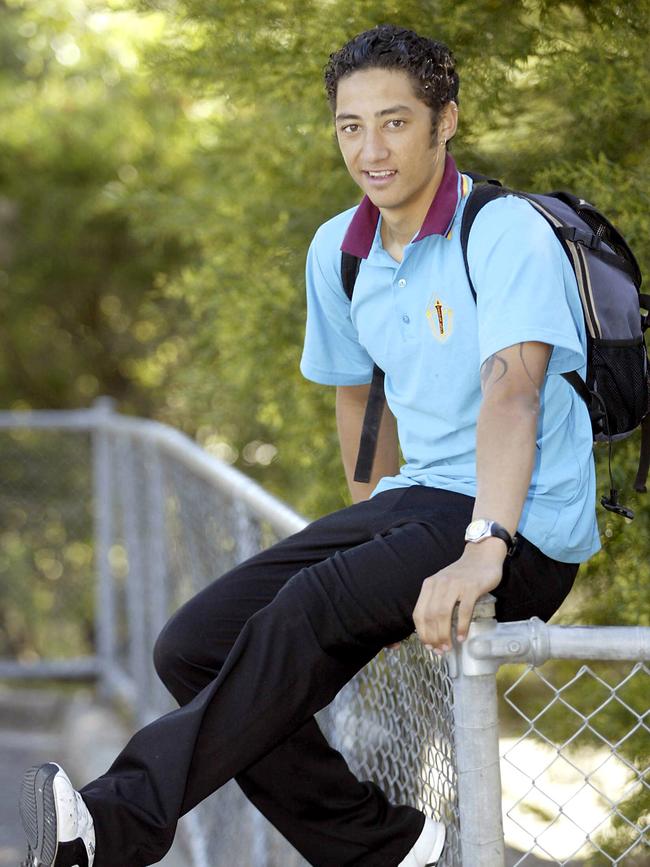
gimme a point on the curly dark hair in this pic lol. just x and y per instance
(430, 64)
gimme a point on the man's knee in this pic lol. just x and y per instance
(187, 654)
(168, 653)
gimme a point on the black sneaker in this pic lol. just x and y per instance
(58, 825)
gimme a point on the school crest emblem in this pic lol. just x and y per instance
(441, 318)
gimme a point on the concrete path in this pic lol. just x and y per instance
(30, 733)
(68, 726)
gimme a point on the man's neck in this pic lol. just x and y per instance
(397, 232)
(400, 225)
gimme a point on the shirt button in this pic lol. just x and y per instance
(405, 318)
(401, 283)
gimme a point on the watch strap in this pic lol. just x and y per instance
(501, 533)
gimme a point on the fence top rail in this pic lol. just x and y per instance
(102, 419)
(228, 479)
(534, 641)
(52, 419)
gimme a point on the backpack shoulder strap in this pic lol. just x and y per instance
(376, 399)
(623, 256)
(349, 270)
(478, 198)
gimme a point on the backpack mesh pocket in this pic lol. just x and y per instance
(619, 373)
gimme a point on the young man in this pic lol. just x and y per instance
(490, 433)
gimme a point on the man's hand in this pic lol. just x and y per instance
(477, 572)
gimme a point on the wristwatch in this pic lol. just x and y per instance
(483, 529)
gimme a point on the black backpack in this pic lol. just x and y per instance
(617, 386)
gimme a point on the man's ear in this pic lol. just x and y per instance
(448, 121)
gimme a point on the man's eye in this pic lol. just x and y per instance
(395, 124)
(350, 127)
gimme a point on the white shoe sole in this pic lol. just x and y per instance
(38, 813)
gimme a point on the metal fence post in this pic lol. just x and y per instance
(155, 567)
(477, 747)
(136, 590)
(105, 614)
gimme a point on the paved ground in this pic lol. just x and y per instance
(38, 725)
(30, 732)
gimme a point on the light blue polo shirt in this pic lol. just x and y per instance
(418, 320)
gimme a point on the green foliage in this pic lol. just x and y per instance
(164, 165)
(83, 170)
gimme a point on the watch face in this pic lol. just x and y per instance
(476, 529)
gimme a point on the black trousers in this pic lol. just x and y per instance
(251, 658)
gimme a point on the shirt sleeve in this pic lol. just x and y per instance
(332, 354)
(526, 289)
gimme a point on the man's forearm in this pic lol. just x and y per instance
(505, 457)
(506, 436)
(350, 409)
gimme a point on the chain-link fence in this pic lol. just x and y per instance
(46, 544)
(155, 519)
(575, 758)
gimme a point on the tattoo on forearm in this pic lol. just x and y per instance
(496, 366)
(488, 367)
(525, 366)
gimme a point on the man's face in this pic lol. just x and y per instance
(385, 135)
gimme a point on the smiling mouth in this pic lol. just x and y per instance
(384, 173)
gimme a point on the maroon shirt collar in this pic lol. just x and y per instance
(361, 231)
